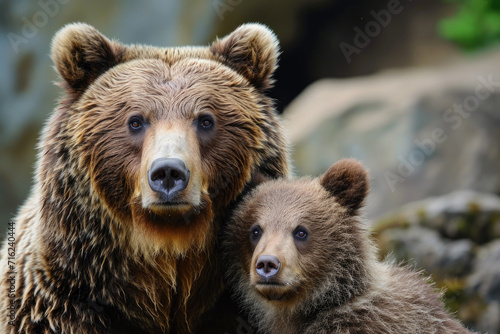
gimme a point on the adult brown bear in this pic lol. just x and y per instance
(136, 168)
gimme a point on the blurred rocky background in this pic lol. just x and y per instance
(456, 239)
(411, 88)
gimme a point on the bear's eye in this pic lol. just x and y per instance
(206, 122)
(135, 123)
(255, 233)
(300, 233)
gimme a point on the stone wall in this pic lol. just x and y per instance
(456, 240)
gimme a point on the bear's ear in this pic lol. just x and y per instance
(81, 54)
(347, 180)
(252, 51)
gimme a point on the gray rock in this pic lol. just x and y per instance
(460, 202)
(457, 259)
(455, 239)
(461, 214)
(490, 319)
(403, 125)
(426, 248)
(485, 279)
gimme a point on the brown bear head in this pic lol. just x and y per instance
(296, 245)
(163, 138)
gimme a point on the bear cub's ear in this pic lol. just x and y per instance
(347, 180)
(252, 51)
(81, 54)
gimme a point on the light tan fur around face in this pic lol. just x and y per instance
(331, 281)
(94, 253)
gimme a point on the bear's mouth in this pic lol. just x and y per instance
(168, 205)
(274, 291)
(271, 283)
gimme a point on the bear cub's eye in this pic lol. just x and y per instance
(255, 233)
(300, 233)
(206, 122)
(136, 124)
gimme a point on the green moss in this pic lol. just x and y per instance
(474, 224)
(390, 223)
(378, 234)
(463, 226)
(471, 310)
(474, 208)
(468, 307)
(494, 225)
(422, 216)
(453, 296)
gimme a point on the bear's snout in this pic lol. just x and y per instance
(168, 176)
(267, 266)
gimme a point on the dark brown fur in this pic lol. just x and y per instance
(329, 282)
(94, 253)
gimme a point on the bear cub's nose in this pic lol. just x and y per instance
(267, 266)
(168, 176)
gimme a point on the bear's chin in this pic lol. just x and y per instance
(176, 228)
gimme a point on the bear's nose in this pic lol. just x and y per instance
(267, 266)
(168, 176)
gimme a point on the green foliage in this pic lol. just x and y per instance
(475, 25)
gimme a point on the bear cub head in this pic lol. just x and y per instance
(296, 245)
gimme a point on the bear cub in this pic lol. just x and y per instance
(300, 261)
